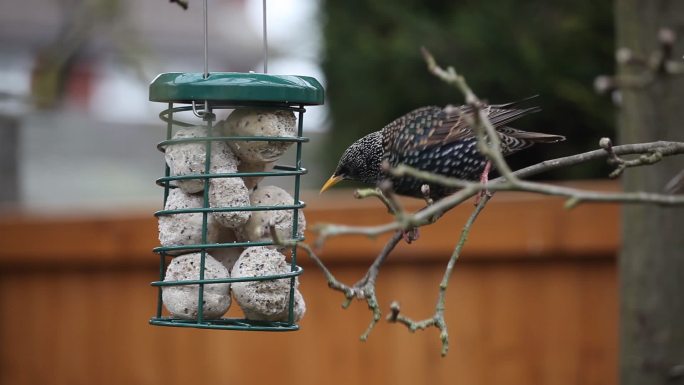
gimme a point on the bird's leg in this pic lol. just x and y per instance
(484, 178)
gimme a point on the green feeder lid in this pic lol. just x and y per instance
(179, 87)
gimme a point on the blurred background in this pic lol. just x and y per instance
(74, 78)
(534, 300)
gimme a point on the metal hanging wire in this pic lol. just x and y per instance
(265, 36)
(206, 39)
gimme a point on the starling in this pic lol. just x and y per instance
(434, 139)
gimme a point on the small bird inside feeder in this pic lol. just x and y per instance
(434, 139)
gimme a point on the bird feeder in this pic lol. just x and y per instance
(199, 208)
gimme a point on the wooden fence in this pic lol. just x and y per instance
(532, 301)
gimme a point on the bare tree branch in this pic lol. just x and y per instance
(487, 138)
(645, 159)
(489, 146)
(374, 192)
(364, 289)
(437, 320)
(661, 62)
(664, 147)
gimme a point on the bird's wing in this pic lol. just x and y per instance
(416, 130)
(435, 126)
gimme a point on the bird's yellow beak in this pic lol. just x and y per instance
(335, 179)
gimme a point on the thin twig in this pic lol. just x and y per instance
(385, 194)
(644, 70)
(363, 290)
(425, 190)
(650, 158)
(366, 285)
(327, 230)
(664, 147)
(421, 218)
(488, 142)
(437, 320)
(375, 193)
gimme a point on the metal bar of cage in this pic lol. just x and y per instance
(281, 171)
(295, 216)
(162, 254)
(294, 273)
(173, 249)
(208, 117)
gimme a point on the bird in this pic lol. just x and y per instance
(437, 139)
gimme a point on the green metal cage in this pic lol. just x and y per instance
(203, 94)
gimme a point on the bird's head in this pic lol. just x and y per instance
(360, 162)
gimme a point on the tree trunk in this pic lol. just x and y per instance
(651, 263)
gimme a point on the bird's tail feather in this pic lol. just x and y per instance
(534, 137)
(516, 103)
(502, 116)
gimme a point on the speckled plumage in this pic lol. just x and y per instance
(434, 139)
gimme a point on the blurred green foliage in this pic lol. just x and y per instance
(506, 49)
